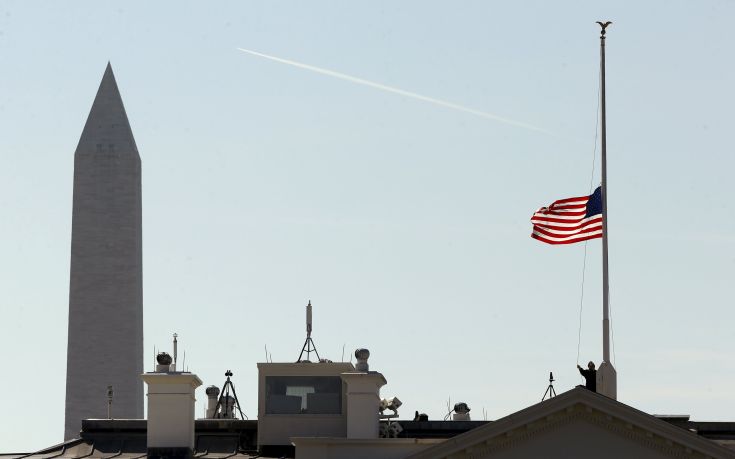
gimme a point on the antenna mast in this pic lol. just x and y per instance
(176, 345)
(109, 402)
(309, 345)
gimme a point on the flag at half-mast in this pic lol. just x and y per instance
(569, 220)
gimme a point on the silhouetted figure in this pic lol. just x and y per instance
(421, 417)
(590, 376)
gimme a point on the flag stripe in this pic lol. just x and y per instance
(567, 200)
(566, 240)
(566, 213)
(556, 218)
(566, 205)
(560, 233)
(568, 220)
(566, 224)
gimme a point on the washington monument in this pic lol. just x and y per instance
(106, 281)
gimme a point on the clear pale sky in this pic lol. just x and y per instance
(405, 223)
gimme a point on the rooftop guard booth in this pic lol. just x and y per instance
(301, 400)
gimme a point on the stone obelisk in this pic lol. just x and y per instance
(105, 345)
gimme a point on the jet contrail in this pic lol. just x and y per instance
(413, 95)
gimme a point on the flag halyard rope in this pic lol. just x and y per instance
(592, 178)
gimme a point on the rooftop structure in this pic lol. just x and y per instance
(577, 423)
(316, 410)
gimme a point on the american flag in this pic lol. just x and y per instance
(569, 220)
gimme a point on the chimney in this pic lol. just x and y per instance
(363, 398)
(170, 410)
(212, 397)
(461, 412)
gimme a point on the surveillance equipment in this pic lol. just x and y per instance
(390, 404)
(390, 429)
(383, 405)
(394, 429)
(394, 403)
(550, 391)
(226, 403)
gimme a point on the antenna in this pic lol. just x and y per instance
(109, 402)
(308, 319)
(343, 352)
(550, 389)
(309, 345)
(175, 347)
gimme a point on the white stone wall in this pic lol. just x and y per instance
(105, 340)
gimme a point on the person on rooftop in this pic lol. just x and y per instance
(590, 376)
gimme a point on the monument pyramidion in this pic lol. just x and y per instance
(105, 341)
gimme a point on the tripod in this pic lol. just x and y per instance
(223, 399)
(309, 345)
(550, 389)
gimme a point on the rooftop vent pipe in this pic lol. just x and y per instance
(461, 412)
(212, 396)
(362, 356)
(164, 362)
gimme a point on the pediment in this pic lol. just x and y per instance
(577, 423)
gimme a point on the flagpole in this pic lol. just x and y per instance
(607, 374)
(605, 283)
